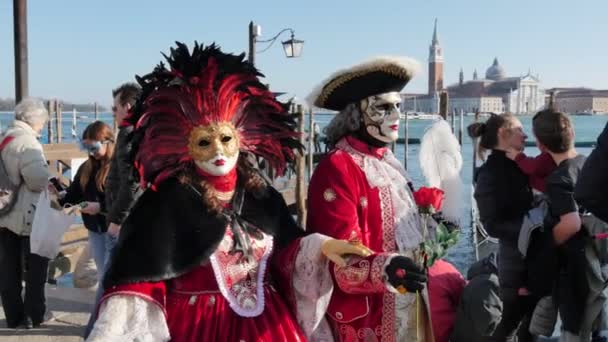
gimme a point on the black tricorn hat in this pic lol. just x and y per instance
(377, 76)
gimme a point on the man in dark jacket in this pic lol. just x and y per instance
(480, 308)
(592, 184)
(121, 185)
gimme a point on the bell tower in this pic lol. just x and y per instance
(435, 64)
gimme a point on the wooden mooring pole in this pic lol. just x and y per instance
(59, 113)
(405, 140)
(96, 112)
(59, 118)
(50, 133)
(460, 132)
(443, 104)
(475, 149)
(311, 144)
(301, 173)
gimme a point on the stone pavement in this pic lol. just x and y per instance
(70, 307)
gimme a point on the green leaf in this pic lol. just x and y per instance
(441, 232)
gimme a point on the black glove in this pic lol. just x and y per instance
(403, 271)
(440, 219)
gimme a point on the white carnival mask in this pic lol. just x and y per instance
(381, 116)
(215, 148)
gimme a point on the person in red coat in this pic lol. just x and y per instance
(360, 192)
(210, 251)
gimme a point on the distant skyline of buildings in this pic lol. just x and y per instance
(497, 92)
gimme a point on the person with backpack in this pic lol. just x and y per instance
(87, 190)
(577, 289)
(24, 174)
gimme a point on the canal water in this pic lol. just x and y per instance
(587, 129)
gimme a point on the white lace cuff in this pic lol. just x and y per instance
(313, 287)
(130, 318)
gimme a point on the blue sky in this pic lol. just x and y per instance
(80, 50)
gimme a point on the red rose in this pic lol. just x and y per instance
(429, 199)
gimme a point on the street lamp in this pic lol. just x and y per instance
(292, 47)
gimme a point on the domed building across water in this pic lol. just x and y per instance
(498, 93)
(495, 93)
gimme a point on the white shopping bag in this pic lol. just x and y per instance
(48, 228)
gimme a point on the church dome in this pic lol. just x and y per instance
(496, 71)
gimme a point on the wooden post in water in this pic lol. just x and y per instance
(59, 113)
(311, 143)
(454, 121)
(51, 108)
(74, 123)
(552, 102)
(96, 112)
(405, 140)
(460, 132)
(301, 174)
(475, 149)
(443, 104)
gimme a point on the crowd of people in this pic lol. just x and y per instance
(544, 211)
(192, 243)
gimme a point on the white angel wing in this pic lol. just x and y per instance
(441, 162)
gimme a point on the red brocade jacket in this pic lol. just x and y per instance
(360, 193)
(174, 274)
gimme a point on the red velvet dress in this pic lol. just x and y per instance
(226, 299)
(343, 204)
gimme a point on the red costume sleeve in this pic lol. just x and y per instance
(333, 198)
(361, 275)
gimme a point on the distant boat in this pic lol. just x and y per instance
(583, 113)
(421, 116)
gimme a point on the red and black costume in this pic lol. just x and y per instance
(183, 268)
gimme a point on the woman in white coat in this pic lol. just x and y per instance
(25, 165)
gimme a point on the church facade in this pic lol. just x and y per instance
(496, 93)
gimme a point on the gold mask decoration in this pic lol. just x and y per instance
(206, 142)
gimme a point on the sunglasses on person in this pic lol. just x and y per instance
(92, 147)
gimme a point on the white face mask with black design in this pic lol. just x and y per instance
(381, 116)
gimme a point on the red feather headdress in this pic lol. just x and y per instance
(204, 87)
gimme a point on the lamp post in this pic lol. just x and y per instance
(292, 47)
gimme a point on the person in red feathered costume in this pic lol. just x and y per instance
(210, 251)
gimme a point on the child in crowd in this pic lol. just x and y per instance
(537, 168)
